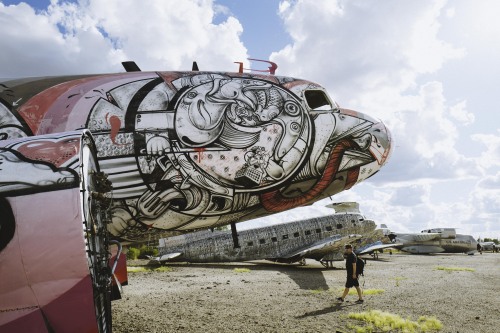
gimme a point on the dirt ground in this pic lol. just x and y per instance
(261, 296)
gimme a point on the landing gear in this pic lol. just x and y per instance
(327, 263)
(302, 262)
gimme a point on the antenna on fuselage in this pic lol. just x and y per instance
(240, 67)
(130, 66)
(271, 69)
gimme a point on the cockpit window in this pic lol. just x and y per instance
(318, 101)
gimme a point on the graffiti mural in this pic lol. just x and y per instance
(39, 164)
(191, 150)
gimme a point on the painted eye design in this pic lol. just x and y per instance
(294, 126)
(191, 94)
(292, 108)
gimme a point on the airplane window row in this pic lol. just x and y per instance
(295, 235)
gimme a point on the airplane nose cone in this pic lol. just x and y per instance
(371, 135)
(387, 142)
(383, 145)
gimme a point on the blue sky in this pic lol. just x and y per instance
(428, 68)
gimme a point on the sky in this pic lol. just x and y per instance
(429, 69)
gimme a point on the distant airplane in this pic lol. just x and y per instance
(436, 240)
(155, 153)
(320, 238)
(489, 246)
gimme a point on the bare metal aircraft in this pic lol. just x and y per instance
(435, 240)
(320, 238)
(489, 246)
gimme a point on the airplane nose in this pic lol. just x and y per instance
(383, 145)
(371, 134)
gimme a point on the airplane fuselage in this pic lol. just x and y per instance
(194, 150)
(459, 244)
(276, 242)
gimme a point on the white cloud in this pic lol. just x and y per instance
(362, 45)
(490, 183)
(386, 59)
(425, 52)
(95, 36)
(421, 66)
(459, 113)
(408, 195)
(489, 159)
(484, 204)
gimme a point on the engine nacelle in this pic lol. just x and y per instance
(53, 242)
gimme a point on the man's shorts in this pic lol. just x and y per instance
(351, 282)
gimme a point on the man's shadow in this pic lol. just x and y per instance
(334, 308)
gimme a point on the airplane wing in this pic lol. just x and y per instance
(165, 257)
(423, 237)
(320, 249)
(378, 246)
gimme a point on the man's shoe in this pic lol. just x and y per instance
(359, 301)
(340, 299)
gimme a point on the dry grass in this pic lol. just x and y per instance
(380, 321)
(399, 278)
(455, 269)
(134, 269)
(241, 270)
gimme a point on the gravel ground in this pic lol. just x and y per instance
(261, 296)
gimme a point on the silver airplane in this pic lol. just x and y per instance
(436, 240)
(320, 238)
(489, 246)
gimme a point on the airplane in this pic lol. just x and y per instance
(489, 246)
(435, 240)
(317, 238)
(135, 155)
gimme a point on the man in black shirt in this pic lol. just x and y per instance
(352, 277)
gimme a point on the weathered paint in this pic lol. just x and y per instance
(49, 266)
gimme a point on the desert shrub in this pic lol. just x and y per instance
(381, 321)
(146, 251)
(241, 270)
(133, 253)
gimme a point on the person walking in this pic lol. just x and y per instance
(352, 276)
